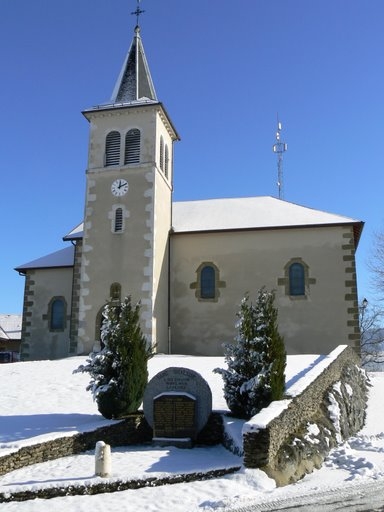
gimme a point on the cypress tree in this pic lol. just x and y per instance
(256, 361)
(119, 372)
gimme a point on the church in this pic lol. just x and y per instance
(188, 263)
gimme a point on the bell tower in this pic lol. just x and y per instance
(128, 204)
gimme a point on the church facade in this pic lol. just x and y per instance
(188, 263)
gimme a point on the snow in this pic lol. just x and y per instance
(10, 326)
(293, 388)
(310, 375)
(237, 213)
(248, 213)
(76, 233)
(44, 400)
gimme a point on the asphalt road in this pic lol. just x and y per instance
(367, 497)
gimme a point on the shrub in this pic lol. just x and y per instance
(119, 372)
(256, 362)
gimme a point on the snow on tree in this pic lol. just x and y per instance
(119, 372)
(256, 362)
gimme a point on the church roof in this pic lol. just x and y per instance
(62, 258)
(263, 212)
(245, 213)
(134, 81)
(214, 215)
(76, 233)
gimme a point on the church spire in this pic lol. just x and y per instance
(134, 82)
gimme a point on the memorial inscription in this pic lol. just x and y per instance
(174, 415)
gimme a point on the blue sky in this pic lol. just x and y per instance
(223, 70)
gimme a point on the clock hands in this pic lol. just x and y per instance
(119, 187)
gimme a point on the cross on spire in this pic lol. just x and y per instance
(137, 12)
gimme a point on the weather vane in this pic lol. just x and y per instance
(137, 12)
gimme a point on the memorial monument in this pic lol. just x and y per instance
(177, 405)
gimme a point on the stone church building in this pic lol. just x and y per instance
(189, 263)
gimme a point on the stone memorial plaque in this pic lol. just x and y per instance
(181, 396)
(174, 415)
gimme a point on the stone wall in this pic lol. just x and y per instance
(305, 427)
(115, 485)
(132, 430)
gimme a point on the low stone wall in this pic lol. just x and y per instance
(109, 486)
(300, 431)
(132, 430)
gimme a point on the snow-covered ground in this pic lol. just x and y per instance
(42, 400)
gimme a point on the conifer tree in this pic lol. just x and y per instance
(256, 362)
(119, 372)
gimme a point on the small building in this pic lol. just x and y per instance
(10, 337)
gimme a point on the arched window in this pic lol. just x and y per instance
(115, 292)
(166, 163)
(207, 282)
(118, 226)
(57, 311)
(112, 148)
(207, 285)
(161, 153)
(296, 279)
(132, 147)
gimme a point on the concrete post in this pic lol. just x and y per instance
(103, 460)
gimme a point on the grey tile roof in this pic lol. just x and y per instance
(134, 81)
(62, 258)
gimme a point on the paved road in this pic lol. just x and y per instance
(367, 497)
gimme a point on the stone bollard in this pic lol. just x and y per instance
(103, 460)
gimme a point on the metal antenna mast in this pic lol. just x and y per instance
(279, 148)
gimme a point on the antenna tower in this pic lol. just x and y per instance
(279, 148)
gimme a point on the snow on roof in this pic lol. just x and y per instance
(248, 213)
(10, 326)
(62, 258)
(243, 213)
(76, 233)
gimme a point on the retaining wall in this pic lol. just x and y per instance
(292, 436)
(132, 430)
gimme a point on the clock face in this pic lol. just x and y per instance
(119, 187)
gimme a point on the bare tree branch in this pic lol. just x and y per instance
(372, 335)
(376, 263)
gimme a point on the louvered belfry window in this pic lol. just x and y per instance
(112, 148)
(118, 220)
(166, 163)
(162, 153)
(132, 147)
